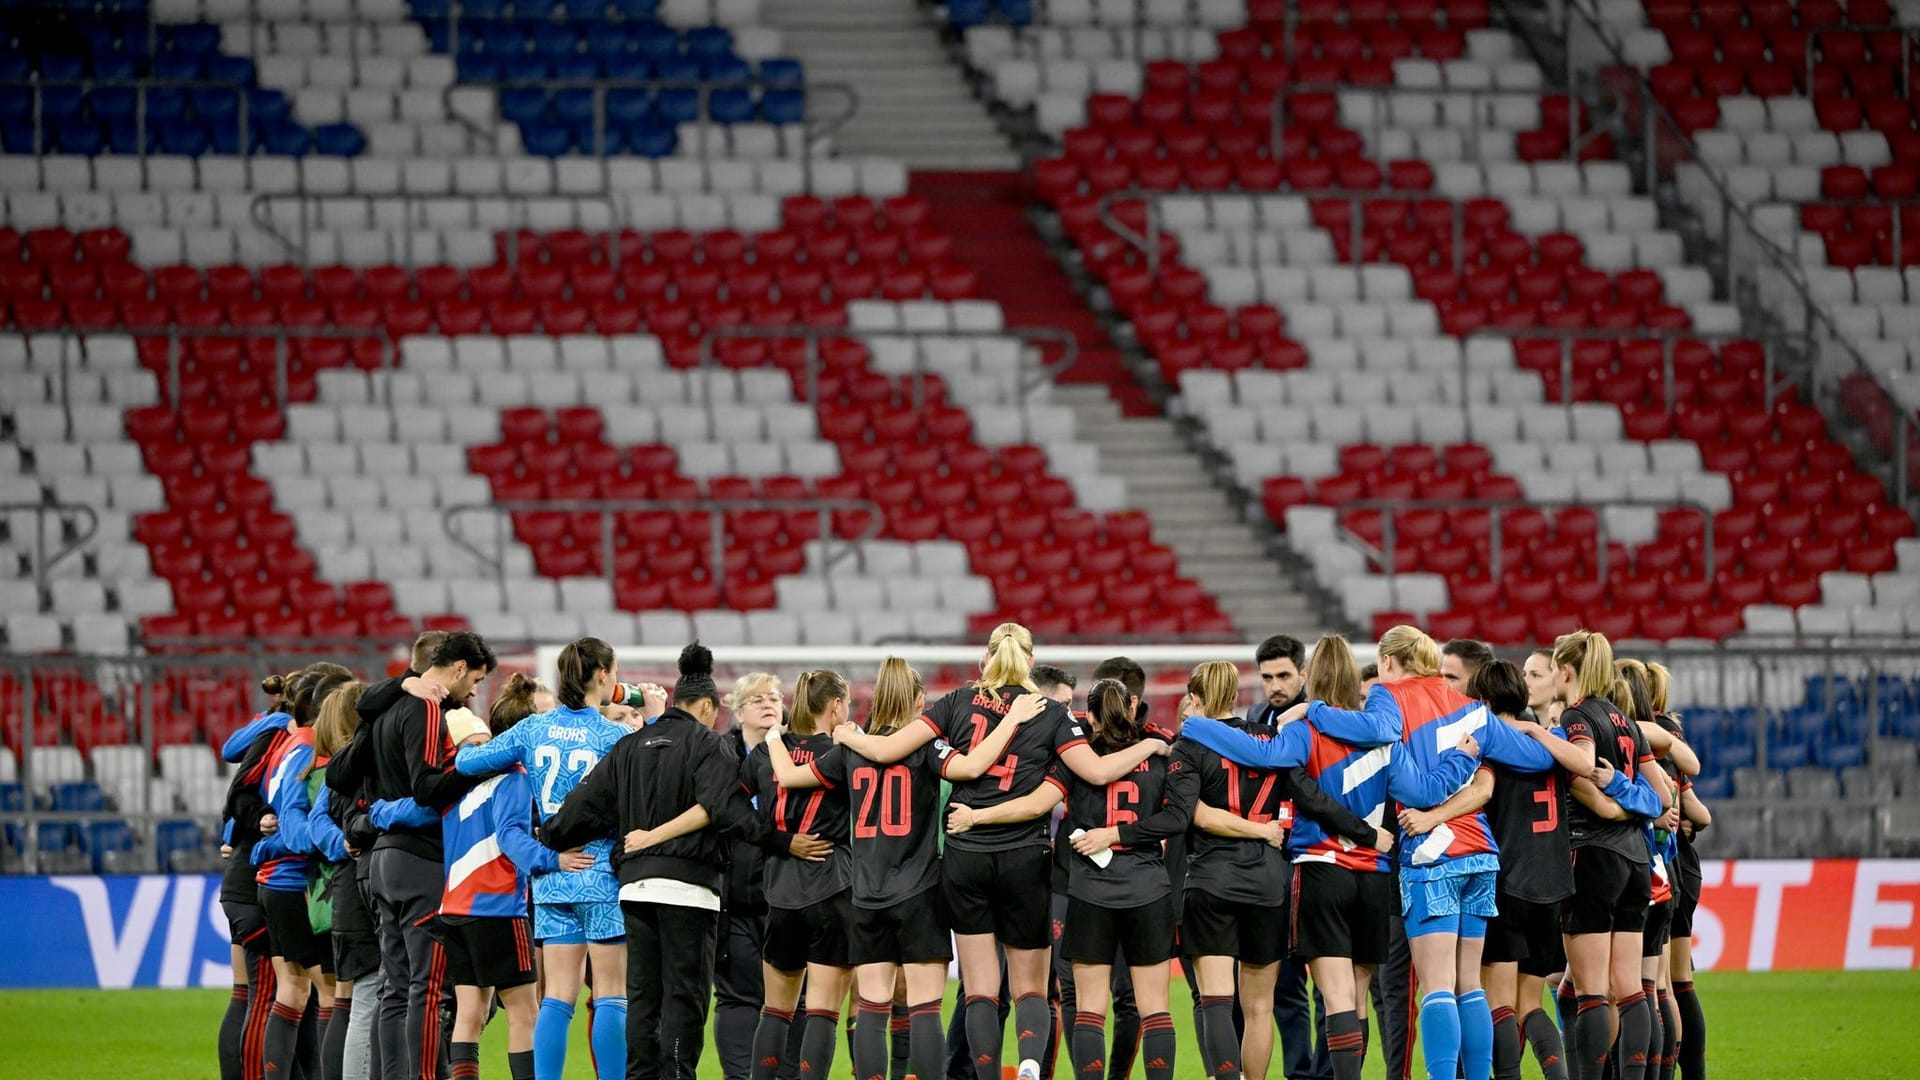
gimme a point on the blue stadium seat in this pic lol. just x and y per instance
(780, 72)
(545, 140)
(655, 140)
(172, 839)
(54, 838)
(962, 14)
(709, 42)
(338, 140)
(13, 798)
(730, 106)
(102, 838)
(1787, 752)
(1017, 12)
(784, 107)
(83, 796)
(1712, 785)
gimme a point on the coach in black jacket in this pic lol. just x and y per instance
(672, 794)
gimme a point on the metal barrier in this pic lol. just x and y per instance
(145, 702)
(1757, 274)
(1389, 508)
(141, 87)
(82, 520)
(152, 702)
(415, 212)
(813, 128)
(1667, 339)
(610, 510)
(1034, 338)
(1481, 102)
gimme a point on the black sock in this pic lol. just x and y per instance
(1157, 1045)
(1636, 1029)
(900, 1027)
(306, 1041)
(1692, 1051)
(817, 1037)
(333, 1041)
(983, 1035)
(1087, 1044)
(1052, 1059)
(769, 1041)
(465, 1058)
(282, 1038)
(1366, 1036)
(1670, 1035)
(520, 1064)
(233, 1029)
(1123, 1043)
(1656, 1029)
(1219, 1042)
(870, 1039)
(1590, 1024)
(1544, 1037)
(1032, 1024)
(1345, 1044)
(927, 1052)
(1506, 1044)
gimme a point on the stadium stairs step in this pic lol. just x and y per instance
(1191, 514)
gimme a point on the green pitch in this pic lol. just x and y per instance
(1792, 1026)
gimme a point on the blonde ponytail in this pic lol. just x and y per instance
(1333, 675)
(813, 695)
(1590, 655)
(1009, 659)
(1417, 654)
(896, 690)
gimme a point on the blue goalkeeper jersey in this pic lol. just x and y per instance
(558, 749)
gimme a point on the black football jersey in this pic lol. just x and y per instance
(1138, 805)
(968, 715)
(1619, 743)
(822, 811)
(1244, 871)
(1536, 863)
(893, 820)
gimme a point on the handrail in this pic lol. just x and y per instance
(1906, 55)
(1576, 142)
(1775, 266)
(715, 509)
(1667, 338)
(280, 335)
(140, 86)
(61, 512)
(1040, 337)
(261, 210)
(814, 128)
(1390, 507)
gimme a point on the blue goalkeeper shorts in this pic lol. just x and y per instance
(580, 923)
(1460, 904)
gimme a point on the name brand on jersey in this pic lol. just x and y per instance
(577, 734)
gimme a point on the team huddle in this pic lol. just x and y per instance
(1446, 836)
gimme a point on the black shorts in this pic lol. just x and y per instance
(484, 951)
(246, 926)
(1341, 912)
(1144, 934)
(1610, 894)
(1526, 933)
(290, 930)
(816, 934)
(1658, 931)
(1003, 893)
(1686, 897)
(1253, 933)
(913, 931)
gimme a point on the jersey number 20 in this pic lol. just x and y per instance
(889, 790)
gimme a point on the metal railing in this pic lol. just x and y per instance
(834, 549)
(1668, 339)
(1385, 555)
(1480, 102)
(1762, 278)
(78, 519)
(815, 128)
(415, 212)
(142, 88)
(1035, 342)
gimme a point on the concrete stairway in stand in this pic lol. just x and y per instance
(915, 106)
(1192, 515)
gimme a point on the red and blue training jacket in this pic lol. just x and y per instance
(491, 850)
(282, 857)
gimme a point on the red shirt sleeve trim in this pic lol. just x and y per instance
(928, 720)
(1070, 744)
(1056, 782)
(814, 767)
